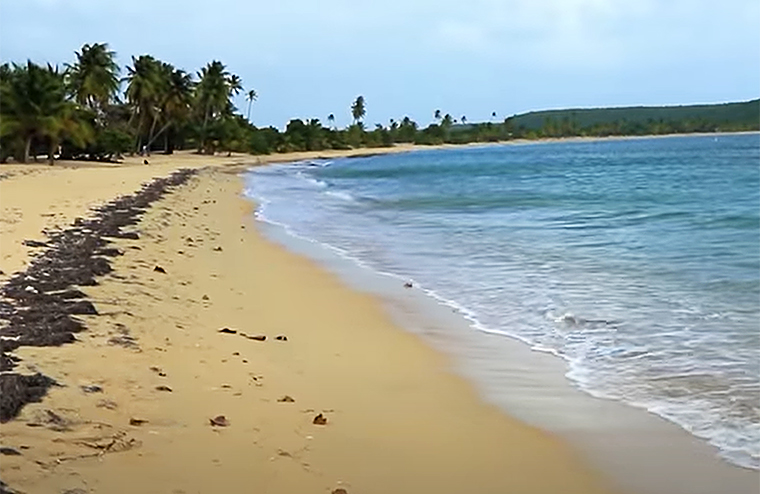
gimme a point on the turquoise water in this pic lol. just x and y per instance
(637, 261)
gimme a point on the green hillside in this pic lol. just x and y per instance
(638, 119)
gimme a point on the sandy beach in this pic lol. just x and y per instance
(142, 383)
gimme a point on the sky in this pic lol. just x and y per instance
(308, 59)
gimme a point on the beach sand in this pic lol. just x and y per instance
(398, 419)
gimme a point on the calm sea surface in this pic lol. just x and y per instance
(637, 261)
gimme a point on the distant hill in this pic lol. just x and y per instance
(635, 119)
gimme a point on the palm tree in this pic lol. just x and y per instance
(331, 120)
(437, 115)
(93, 80)
(215, 86)
(175, 98)
(251, 96)
(493, 115)
(463, 119)
(358, 109)
(144, 88)
(234, 84)
(33, 106)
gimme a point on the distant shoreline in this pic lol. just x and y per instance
(243, 159)
(630, 137)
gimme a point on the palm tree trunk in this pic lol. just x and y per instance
(166, 143)
(202, 144)
(139, 133)
(157, 134)
(150, 134)
(51, 151)
(27, 148)
(249, 110)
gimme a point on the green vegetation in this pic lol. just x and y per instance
(639, 120)
(89, 111)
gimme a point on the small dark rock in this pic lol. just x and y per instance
(228, 331)
(340, 490)
(134, 421)
(408, 284)
(286, 399)
(145, 162)
(218, 249)
(258, 337)
(281, 337)
(220, 421)
(159, 269)
(9, 451)
(319, 420)
(158, 371)
(205, 297)
(93, 388)
(163, 388)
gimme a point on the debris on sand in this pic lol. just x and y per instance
(134, 421)
(39, 303)
(4, 450)
(163, 388)
(34, 243)
(158, 371)
(219, 421)
(286, 399)
(319, 420)
(107, 404)
(281, 337)
(159, 269)
(228, 331)
(257, 337)
(92, 388)
(17, 390)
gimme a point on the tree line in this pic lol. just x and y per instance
(92, 109)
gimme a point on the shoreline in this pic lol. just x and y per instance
(638, 450)
(639, 429)
(397, 417)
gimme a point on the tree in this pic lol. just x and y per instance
(251, 96)
(331, 120)
(144, 80)
(175, 97)
(234, 84)
(93, 80)
(437, 115)
(464, 119)
(446, 124)
(493, 114)
(358, 110)
(33, 107)
(213, 96)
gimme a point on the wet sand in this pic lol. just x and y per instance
(140, 387)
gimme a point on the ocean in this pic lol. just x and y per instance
(637, 261)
